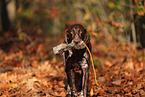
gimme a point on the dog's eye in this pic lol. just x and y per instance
(80, 32)
(69, 35)
(72, 33)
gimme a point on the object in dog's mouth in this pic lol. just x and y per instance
(65, 47)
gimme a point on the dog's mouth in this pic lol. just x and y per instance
(79, 45)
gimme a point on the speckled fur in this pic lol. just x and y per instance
(77, 59)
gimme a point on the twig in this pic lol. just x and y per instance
(32, 43)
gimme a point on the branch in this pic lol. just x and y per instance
(65, 47)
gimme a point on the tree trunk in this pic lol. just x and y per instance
(4, 17)
(140, 28)
(0, 16)
(132, 24)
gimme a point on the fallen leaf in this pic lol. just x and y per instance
(54, 11)
(94, 34)
(107, 64)
(135, 91)
(35, 64)
(13, 85)
(129, 65)
(91, 92)
(89, 28)
(142, 92)
(118, 95)
(130, 83)
(117, 82)
(48, 68)
(101, 79)
(61, 83)
(139, 66)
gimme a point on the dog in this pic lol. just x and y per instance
(77, 59)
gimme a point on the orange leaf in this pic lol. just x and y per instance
(91, 92)
(117, 82)
(93, 34)
(54, 11)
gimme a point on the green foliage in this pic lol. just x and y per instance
(98, 63)
(21, 34)
(140, 7)
(112, 17)
(143, 26)
(143, 58)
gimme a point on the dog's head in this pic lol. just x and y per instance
(75, 34)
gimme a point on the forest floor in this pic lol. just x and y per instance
(29, 68)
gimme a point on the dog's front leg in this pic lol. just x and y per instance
(85, 80)
(85, 74)
(71, 82)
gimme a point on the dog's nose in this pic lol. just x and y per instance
(76, 41)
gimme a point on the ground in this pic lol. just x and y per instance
(29, 68)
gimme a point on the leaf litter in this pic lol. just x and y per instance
(120, 71)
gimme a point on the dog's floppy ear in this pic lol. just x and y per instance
(86, 37)
(66, 37)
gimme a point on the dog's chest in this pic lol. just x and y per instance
(74, 60)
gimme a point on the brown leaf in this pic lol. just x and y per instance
(130, 83)
(94, 34)
(135, 91)
(54, 11)
(117, 82)
(61, 83)
(61, 94)
(40, 49)
(101, 79)
(139, 66)
(107, 64)
(91, 92)
(13, 85)
(89, 28)
(142, 92)
(129, 65)
(35, 64)
(48, 68)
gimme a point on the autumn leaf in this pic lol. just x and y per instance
(117, 82)
(91, 92)
(94, 34)
(54, 11)
(129, 65)
(13, 85)
(142, 92)
(101, 79)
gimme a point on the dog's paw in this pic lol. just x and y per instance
(83, 94)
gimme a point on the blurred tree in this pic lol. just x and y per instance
(140, 28)
(132, 24)
(5, 23)
(109, 18)
(0, 17)
(139, 15)
(11, 9)
(7, 14)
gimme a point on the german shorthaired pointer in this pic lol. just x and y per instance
(77, 59)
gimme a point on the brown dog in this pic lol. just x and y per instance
(77, 59)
